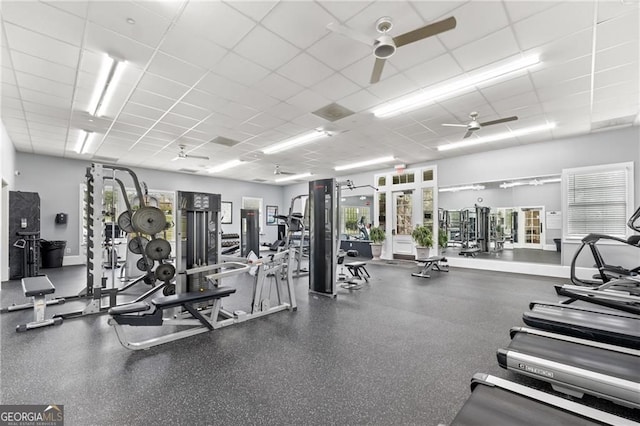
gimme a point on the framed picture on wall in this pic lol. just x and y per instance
(272, 212)
(226, 215)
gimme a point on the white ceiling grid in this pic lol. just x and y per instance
(254, 71)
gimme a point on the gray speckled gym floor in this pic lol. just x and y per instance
(399, 351)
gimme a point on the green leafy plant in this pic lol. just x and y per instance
(422, 236)
(376, 234)
(443, 239)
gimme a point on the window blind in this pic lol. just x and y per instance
(597, 203)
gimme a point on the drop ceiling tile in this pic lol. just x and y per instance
(219, 86)
(168, 9)
(170, 129)
(507, 105)
(336, 87)
(42, 68)
(550, 75)
(403, 16)
(278, 87)
(569, 102)
(552, 24)
(470, 28)
(148, 28)
(74, 7)
(241, 112)
(498, 45)
(185, 44)
(265, 120)
(523, 9)
(566, 88)
(432, 11)
(164, 136)
(610, 9)
(393, 87)
(10, 90)
(41, 46)
(300, 23)
(162, 86)
(217, 22)
(151, 100)
(175, 69)
(205, 101)
(102, 40)
(338, 51)
(305, 70)
(360, 101)
(507, 88)
(179, 120)
(622, 91)
(249, 128)
(135, 120)
(142, 111)
(266, 49)
(286, 111)
(45, 98)
(256, 10)
(618, 30)
(360, 72)
(308, 100)
(44, 85)
(11, 102)
(437, 70)
(190, 111)
(241, 70)
(617, 55)
(628, 72)
(255, 99)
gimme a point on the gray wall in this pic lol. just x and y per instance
(58, 180)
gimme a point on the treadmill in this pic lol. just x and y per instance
(496, 401)
(607, 326)
(575, 366)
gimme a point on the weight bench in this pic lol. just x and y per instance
(151, 314)
(37, 288)
(358, 272)
(433, 263)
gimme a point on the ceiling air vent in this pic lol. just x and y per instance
(221, 140)
(612, 123)
(333, 112)
(259, 180)
(187, 170)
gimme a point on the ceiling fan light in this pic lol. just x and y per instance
(384, 47)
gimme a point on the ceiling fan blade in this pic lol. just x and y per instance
(498, 121)
(286, 173)
(466, 135)
(453, 125)
(350, 33)
(426, 31)
(377, 70)
(200, 157)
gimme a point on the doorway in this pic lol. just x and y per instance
(402, 224)
(530, 228)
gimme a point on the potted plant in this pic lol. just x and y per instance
(376, 235)
(424, 241)
(443, 239)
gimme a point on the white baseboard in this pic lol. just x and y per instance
(549, 247)
(545, 270)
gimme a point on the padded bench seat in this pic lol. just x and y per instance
(37, 286)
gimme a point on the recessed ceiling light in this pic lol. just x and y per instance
(225, 166)
(294, 177)
(297, 141)
(365, 163)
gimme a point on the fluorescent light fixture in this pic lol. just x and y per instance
(365, 163)
(84, 141)
(533, 182)
(497, 137)
(297, 141)
(108, 78)
(462, 188)
(294, 177)
(454, 86)
(225, 166)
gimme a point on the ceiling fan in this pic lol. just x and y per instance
(278, 172)
(474, 125)
(384, 46)
(182, 155)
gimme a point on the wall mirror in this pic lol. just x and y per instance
(516, 219)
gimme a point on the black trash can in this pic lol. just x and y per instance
(558, 242)
(52, 253)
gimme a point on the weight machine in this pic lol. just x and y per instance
(142, 225)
